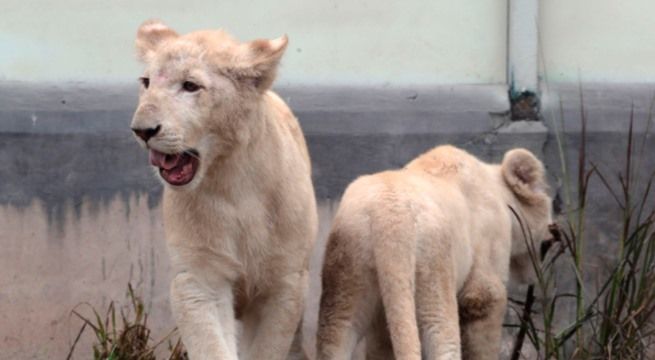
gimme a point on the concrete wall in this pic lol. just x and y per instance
(80, 213)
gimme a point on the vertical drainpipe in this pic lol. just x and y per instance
(522, 59)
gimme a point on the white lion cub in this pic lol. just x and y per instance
(418, 258)
(239, 209)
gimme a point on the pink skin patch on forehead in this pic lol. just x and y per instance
(160, 78)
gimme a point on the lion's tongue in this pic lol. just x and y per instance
(164, 161)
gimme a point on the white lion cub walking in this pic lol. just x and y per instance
(418, 258)
(239, 209)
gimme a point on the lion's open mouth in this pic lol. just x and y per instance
(176, 169)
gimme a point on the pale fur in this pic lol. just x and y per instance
(240, 233)
(418, 258)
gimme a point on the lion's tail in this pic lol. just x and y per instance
(395, 260)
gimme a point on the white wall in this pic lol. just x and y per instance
(601, 40)
(368, 42)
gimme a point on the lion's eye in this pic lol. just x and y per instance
(190, 86)
(145, 82)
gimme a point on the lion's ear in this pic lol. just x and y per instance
(259, 61)
(149, 36)
(524, 174)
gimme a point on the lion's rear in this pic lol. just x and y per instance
(369, 261)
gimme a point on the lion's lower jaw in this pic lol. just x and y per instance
(188, 188)
(206, 180)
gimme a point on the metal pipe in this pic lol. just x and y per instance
(522, 58)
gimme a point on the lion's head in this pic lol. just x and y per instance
(524, 175)
(199, 97)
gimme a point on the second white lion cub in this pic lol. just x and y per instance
(418, 258)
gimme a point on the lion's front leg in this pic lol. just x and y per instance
(205, 318)
(280, 313)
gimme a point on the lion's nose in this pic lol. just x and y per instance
(146, 134)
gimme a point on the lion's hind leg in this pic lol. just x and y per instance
(349, 300)
(395, 262)
(436, 310)
(482, 308)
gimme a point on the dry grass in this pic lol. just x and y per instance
(126, 339)
(615, 321)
